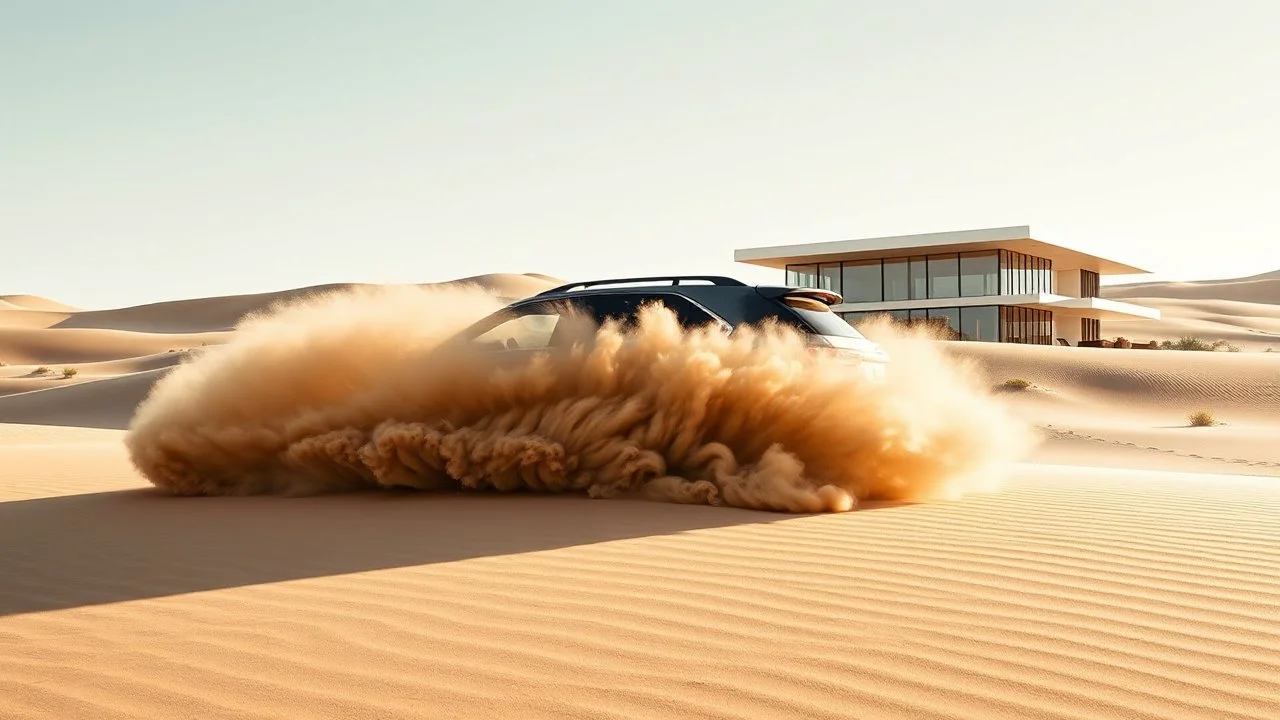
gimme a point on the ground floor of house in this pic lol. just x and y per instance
(993, 323)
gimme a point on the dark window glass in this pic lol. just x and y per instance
(625, 307)
(1014, 286)
(948, 318)
(897, 284)
(1088, 284)
(862, 281)
(980, 323)
(919, 279)
(829, 277)
(1005, 285)
(805, 276)
(944, 276)
(979, 274)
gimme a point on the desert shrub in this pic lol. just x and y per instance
(42, 370)
(69, 372)
(1017, 384)
(1188, 342)
(1224, 345)
(1122, 342)
(1201, 418)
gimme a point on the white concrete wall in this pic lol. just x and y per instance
(1066, 327)
(1067, 282)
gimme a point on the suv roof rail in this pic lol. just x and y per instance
(672, 279)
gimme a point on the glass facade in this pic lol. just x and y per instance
(864, 280)
(940, 275)
(1089, 285)
(979, 274)
(1024, 274)
(944, 276)
(897, 279)
(1026, 325)
(1090, 329)
(985, 273)
(981, 323)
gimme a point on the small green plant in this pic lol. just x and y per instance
(1189, 342)
(69, 372)
(1017, 384)
(1201, 418)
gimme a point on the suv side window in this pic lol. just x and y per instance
(627, 306)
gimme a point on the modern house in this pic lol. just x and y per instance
(995, 284)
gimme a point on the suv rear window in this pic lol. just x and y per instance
(818, 316)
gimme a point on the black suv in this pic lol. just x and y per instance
(534, 323)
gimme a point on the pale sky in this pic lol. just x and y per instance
(163, 149)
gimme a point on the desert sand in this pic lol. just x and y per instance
(1128, 566)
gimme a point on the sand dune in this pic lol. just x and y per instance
(1166, 383)
(1244, 312)
(31, 346)
(1130, 408)
(1262, 288)
(104, 403)
(216, 314)
(32, 302)
(1084, 587)
(1249, 326)
(1070, 594)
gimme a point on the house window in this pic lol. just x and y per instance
(980, 323)
(919, 272)
(897, 285)
(979, 274)
(829, 277)
(948, 318)
(1026, 325)
(863, 281)
(944, 276)
(805, 276)
(1089, 286)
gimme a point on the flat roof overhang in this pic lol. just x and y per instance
(1016, 238)
(1099, 309)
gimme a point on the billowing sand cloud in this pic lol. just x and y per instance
(356, 390)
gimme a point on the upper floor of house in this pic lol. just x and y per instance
(937, 266)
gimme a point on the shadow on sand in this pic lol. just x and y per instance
(80, 550)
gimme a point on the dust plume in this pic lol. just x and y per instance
(360, 389)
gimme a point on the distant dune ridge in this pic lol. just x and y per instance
(1241, 311)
